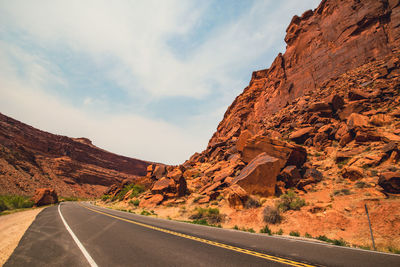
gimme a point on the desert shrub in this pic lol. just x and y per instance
(211, 215)
(105, 197)
(342, 192)
(394, 250)
(294, 233)
(136, 191)
(252, 203)
(266, 230)
(145, 213)
(337, 242)
(361, 184)
(235, 227)
(8, 202)
(69, 198)
(250, 230)
(290, 201)
(135, 202)
(280, 232)
(308, 235)
(271, 215)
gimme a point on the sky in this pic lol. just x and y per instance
(144, 79)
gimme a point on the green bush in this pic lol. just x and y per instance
(252, 203)
(8, 202)
(145, 213)
(308, 235)
(280, 232)
(337, 242)
(105, 197)
(290, 201)
(271, 215)
(135, 202)
(211, 215)
(394, 250)
(69, 198)
(136, 191)
(266, 230)
(294, 233)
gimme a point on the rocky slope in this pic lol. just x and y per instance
(323, 121)
(30, 158)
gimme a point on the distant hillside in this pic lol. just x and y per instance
(31, 158)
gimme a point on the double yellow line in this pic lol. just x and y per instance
(213, 243)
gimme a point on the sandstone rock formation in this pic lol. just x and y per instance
(30, 159)
(45, 196)
(259, 176)
(322, 44)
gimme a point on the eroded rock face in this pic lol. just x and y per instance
(321, 44)
(45, 196)
(73, 166)
(259, 176)
(287, 154)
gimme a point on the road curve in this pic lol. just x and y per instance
(114, 238)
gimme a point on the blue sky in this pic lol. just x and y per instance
(146, 79)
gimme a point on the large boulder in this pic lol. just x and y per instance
(290, 175)
(45, 196)
(259, 176)
(159, 171)
(357, 120)
(236, 196)
(163, 185)
(287, 154)
(301, 135)
(390, 182)
(152, 201)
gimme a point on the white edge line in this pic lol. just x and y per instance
(81, 247)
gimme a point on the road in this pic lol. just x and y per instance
(106, 237)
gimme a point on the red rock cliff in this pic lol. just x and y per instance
(30, 158)
(339, 35)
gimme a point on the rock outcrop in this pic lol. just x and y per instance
(45, 196)
(31, 159)
(321, 44)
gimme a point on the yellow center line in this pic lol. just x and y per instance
(213, 243)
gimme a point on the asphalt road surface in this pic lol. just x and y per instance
(80, 234)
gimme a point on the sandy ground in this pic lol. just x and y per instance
(12, 228)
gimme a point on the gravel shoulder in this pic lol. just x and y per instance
(12, 228)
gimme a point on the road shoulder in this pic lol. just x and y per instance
(12, 228)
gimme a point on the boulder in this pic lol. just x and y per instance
(181, 187)
(301, 135)
(320, 106)
(353, 173)
(152, 201)
(390, 182)
(149, 170)
(175, 174)
(311, 176)
(335, 101)
(260, 175)
(236, 196)
(355, 94)
(357, 120)
(381, 119)
(163, 185)
(287, 154)
(44, 196)
(159, 171)
(290, 175)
